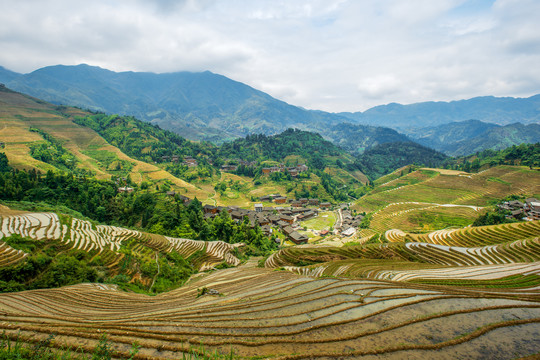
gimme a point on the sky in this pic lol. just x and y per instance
(331, 55)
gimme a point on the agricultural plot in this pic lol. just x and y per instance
(500, 251)
(275, 314)
(325, 220)
(471, 236)
(417, 216)
(449, 188)
(83, 235)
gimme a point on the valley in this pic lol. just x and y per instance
(280, 246)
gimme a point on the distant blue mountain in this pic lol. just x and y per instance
(7, 75)
(468, 137)
(496, 110)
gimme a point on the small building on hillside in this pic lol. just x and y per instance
(325, 205)
(287, 230)
(125, 189)
(267, 230)
(349, 232)
(274, 219)
(298, 238)
(296, 203)
(280, 200)
(258, 207)
(287, 219)
(313, 201)
(210, 209)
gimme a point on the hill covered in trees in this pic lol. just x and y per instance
(384, 158)
(311, 147)
(523, 154)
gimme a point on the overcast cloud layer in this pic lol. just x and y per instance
(333, 55)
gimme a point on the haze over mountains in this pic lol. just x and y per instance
(208, 106)
(467, 137)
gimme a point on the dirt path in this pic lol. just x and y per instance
(215, 192)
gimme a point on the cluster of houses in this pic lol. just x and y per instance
(292, 170)
(528, 210)
(232, 165)
(278, 199)
(188, 160)
(349, 223)
(268, 217)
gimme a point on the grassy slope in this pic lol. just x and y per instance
(19, 113)
(452, 188)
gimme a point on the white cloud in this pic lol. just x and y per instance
(331, 55)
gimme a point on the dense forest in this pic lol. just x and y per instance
(382, 159)
(356, 138)
(310, 146)
(142, 140)
(524, 154)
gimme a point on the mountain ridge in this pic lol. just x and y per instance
(497, 110)
(188, 103)
(212, 107)
(468, 137)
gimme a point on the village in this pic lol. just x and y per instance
(286, 220)
(528, 210)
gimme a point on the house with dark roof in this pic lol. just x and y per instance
(298, 238)
(280, 200)
(288, 230)
(287, 219)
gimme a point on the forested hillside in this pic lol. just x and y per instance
(523, 154)
(142, 140)
(309, 146)
(385, 158)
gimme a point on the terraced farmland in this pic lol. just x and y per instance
(453, 188)
(268, 314)
(496, 252)
(83, 235)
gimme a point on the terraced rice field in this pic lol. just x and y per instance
(408, 215)
(267, 314)
(471, 236)
(83, 235)
(454, 188)
(495, 251)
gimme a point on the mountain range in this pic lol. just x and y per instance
(208, 106)
(471, 136)
(496, 110)
(199, 106)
